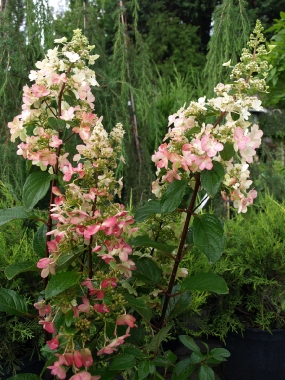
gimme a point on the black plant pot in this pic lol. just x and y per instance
(257, 355)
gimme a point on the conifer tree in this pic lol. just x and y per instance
(25, 33)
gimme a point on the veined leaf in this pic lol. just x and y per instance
(35, 188)
(228, 152)
(206, 373)
(158, 338)
(140, 306)
(151, 208)
(61, 282)
(122, 362)
(173, 195)
(209, 236)
(205, 282)
(212, 179)
(8, 214)
(13, 269)
(145, 241)
(39, 242)
(12, 303)
(147, 271)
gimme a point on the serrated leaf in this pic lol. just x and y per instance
(211, 180)
(56, 123)
(206, 373)
(147, 271)
(228, 151)
(189, 343)
(173, 195)
(140, 306)
(8, 214)
(122, 362)
(25, 376)
(61, 282)
(183, 369)
(145, 241)
(39, 241)
(35, 188)
(158, 338)
(12, 303)
(13, 269)
(177, 304)
(209, 236)
(205, 282)
(149, 209)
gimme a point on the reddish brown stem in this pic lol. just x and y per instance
(180, 251)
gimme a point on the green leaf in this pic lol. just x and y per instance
(209, 236)
(197, 357)
(69, 317)
(211, 180)
(39, 242)
(8, 214)
(205, 282)
(56, 123)
(143, 369)
(228, 152)
(140, 306)
(177, 304)
(104, 372)
(192, 131)
(60, 282)
(220, 354)
(147, 271)
(12, 303)
(64, 260)
(235, 116)
(145, 241)
(13, 269)
(35, 188)
(206, 373)
(71, 101)
(122, 362)
(149, 209)
(189, 343)
(183, 369)
(59, 320)
(173, 195)
(25, 376)
(158, 338)
(135, 351)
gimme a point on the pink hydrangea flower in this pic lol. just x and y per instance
(126, 320)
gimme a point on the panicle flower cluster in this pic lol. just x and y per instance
(192, 144)
(85, 227)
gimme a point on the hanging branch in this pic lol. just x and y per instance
(132, 100)
(85, 16)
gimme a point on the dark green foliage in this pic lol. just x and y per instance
(253, 266)
(231, 31)
(25, 33)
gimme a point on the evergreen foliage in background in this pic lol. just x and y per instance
(154, 52)
(25, 32)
